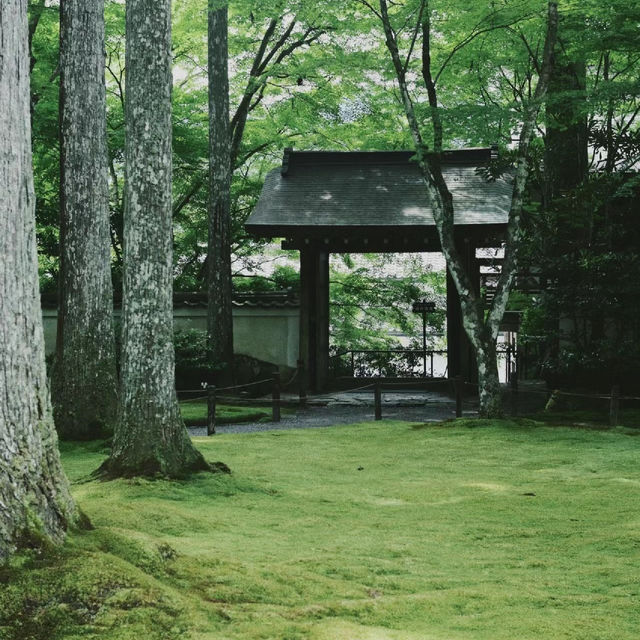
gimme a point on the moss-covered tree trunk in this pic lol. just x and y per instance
(35, 502)
(85, 382)
(150, 436)
(219, 314)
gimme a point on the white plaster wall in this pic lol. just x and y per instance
(271, 335)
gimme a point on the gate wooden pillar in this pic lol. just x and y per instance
(460, 358)
(322, 320)
(308, 314)
(314, 316)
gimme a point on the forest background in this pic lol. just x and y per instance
(317, 76)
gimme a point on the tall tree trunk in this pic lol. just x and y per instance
(35, 501)
(566, 157)
(85, 381)
(219, 314)
(150, 436)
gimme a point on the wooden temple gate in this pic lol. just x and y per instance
(375, 202)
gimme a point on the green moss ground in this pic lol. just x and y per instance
(385, 531)
(195, 413)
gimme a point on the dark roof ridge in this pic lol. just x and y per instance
(259, 299)
(470, 156)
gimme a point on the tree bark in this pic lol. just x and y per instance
(219, 314)
(35, 501)
(150, 437)
(85, 380)
(490, 396)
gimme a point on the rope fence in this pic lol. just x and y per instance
(187, 400)
(237, 386)
(558, 392)
(456, 387)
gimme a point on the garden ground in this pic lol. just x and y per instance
(377, 531)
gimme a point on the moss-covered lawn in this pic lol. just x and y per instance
(388, 531)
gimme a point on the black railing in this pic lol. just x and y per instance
(405, 363)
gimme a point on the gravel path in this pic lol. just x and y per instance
(350, 407)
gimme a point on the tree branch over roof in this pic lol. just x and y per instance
(264, 65)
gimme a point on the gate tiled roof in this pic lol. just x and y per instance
(315, 190)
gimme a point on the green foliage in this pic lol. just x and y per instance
(335, 534)
(283, 278)
(44, 123)
(193, 367)
(191, 348)
(587, 247)
(370, 308)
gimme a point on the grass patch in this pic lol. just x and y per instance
(195, 414)
(473, 530)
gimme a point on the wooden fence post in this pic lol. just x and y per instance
(457, 381)
(275, 402)
(513, 382)
(377, 398)
(211, 409)
(614, 407)
(302, 384)
(513, 376)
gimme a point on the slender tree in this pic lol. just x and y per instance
(219, 314)
(481, 326)
(85, 380)
(283, 36)
(150, 436)
(35, 501)
(566, 130)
